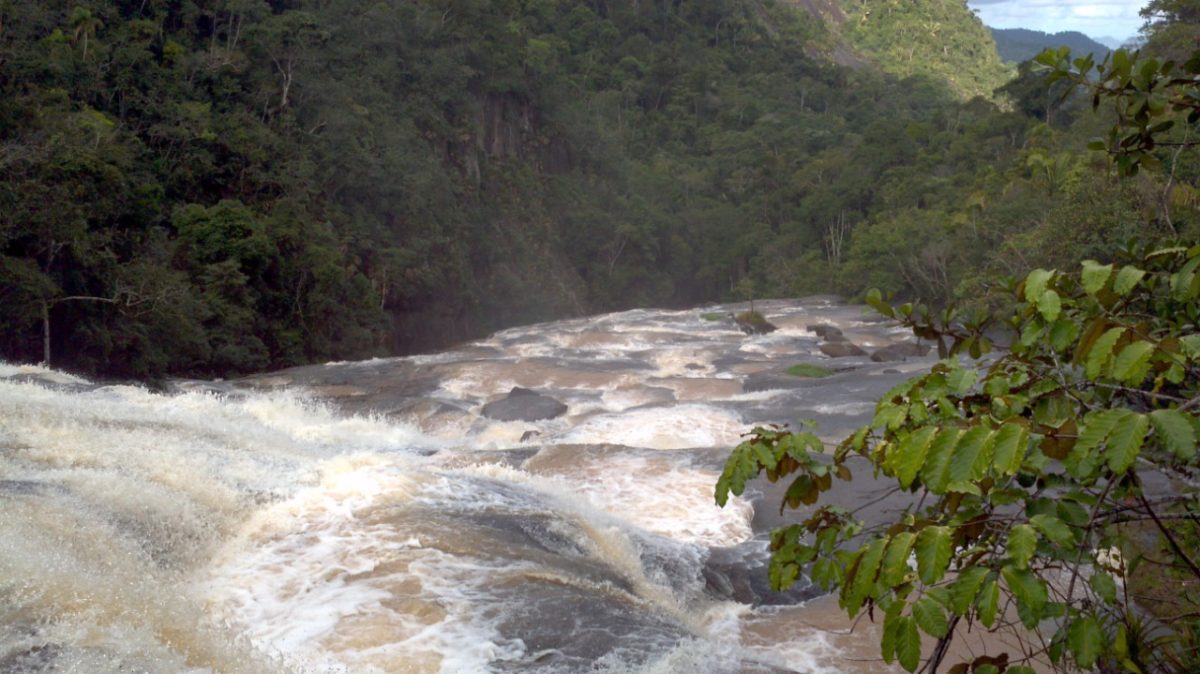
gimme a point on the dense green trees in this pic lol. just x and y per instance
(270, 183)
(1017, 45)
(1053, 485)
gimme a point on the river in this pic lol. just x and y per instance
(369, 517)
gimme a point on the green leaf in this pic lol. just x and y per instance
(936, 472)
(960, 380)
(910, 455)
(782, 572)
(908, 644)
(1086, 640)
(891, 625)
(1104, 586)
(895, 569)
(931, 618)
(1125, 441)
(933, 548)
(1101, 352)
(1020, 669)
(890, 416)
(1049, 305)
(1191, 346)
(1063, 333)
(859, 587)
(824, 572)
(1183, 281)
(1127, 278)
(1175, 432)
(965, 587)
(1072, 512)
(1026, 588)
(1094, 276)
(1096, 427)
(1053, 529)
(989, 603)
(970, 447)
(1022, 541)
(964, 487)
(1132, 363)
(940, 594)
(1008, 448)
(1032, 333)
(1035, 284)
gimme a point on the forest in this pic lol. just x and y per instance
(1021, 44)
(212, 187)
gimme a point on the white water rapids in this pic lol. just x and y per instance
(367, 517)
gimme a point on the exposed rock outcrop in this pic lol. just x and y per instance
(900, 351)
(826, 332)
(522, 404)
(841, 349)
(753, 323)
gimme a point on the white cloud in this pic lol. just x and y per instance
(1114, 18)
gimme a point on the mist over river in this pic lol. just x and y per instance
(370, 517)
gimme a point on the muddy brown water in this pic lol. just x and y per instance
(366, 517)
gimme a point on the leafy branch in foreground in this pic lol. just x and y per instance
(1151, 97)
(1030, 473)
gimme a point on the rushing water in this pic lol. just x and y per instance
(367, 517)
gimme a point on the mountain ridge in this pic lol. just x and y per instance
(1021, 44)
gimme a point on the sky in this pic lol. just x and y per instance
(1098, 18)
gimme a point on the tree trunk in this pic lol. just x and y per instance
(45, 333)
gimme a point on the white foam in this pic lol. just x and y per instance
(676, 427)
(40, 372)
(850, 408)
(659, 494)
(310, 580)
(273, 520)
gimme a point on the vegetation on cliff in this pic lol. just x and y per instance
(1054, 492)
(1022, 44)
(215, 186)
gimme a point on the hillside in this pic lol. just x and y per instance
(190, 190)
(940, 39)
(1021, 44)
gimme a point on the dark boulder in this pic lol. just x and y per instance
(740, 574)
(826, 332)
(772, 381)
(901, 351)
(754, 323)
(522, 404)
(841, 349)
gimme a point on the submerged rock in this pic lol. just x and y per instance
(31, 660)
(524, 404)
(826, 332)
(841, 349)
(753, 323)
(772, 381)
(901, 351)
(740, 574)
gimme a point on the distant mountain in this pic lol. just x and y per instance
(1021, 44)
(1112, 42)
(944, 41)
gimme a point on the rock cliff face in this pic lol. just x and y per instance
(507, 127)
(939, 39)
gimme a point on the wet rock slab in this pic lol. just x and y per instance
(900, 351)
(522, 404)
(740, 574)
